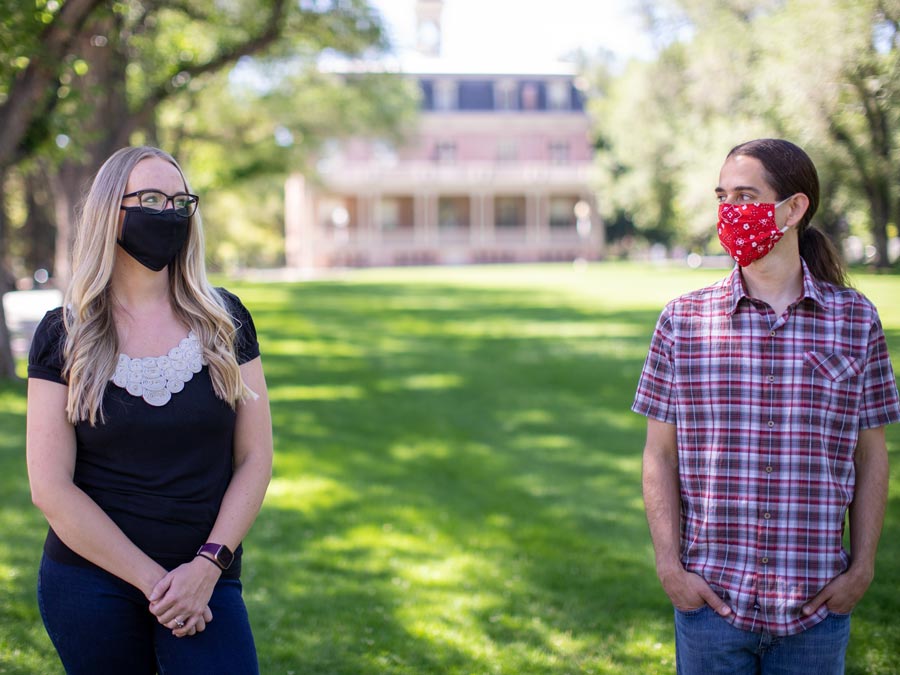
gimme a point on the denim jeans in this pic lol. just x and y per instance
(102, 625)
(706, 644)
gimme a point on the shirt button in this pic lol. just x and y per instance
(767, 515)
(770, 424)
(772, 333)
(769, 469)
(764, 561)
(771, 378)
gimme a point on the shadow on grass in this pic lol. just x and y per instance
(24, 646)
(465, 472)
(456, 490)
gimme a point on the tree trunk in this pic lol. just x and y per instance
(105, 86)
(880, 202)
(38, 233)
(66, 182)
(33, 91)
(7, 362)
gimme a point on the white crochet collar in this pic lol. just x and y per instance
(156, 378)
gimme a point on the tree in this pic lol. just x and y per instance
(268, 119)
(825, 73)
(840, 92)
(109, 72)
(33, 44)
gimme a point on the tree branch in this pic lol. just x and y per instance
(270, 33)
(26, 99)
(840, 134)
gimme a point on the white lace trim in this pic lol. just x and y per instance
(156, 378)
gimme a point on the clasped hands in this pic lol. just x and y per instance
(180, 600)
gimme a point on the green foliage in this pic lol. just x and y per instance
(457, 480)
(823, 74)
(20, 33)
(231, 88)
(242, 134)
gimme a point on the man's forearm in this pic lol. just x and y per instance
(662, 500)
(869, 499)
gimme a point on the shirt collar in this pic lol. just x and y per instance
(736, 290)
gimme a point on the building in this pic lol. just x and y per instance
(497, 171)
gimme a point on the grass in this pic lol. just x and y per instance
(457, 480)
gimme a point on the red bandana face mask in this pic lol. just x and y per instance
(749, 231)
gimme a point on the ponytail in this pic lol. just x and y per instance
(822, 257)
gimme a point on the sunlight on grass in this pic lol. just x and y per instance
(9, 576)
(456, 482)
(422, 450)
(307, 494)
(422, 382)
(517, 419)
(300, 392)
(309, 347)
(12, 403)
(643, 646)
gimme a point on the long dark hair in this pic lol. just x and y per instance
(789, 170)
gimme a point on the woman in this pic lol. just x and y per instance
(149, 438)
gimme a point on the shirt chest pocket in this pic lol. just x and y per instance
(834, 367)
(835, 386)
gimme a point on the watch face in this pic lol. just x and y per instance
(224, 556)
(219, 552)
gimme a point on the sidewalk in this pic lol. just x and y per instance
(24, 310)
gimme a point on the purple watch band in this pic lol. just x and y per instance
(217, 553)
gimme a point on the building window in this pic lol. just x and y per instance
(475, 95)
(445, 152)
(530, 97)
(445, 95)
(558, 95)
(562, 212)
(509, 211)
(559, 152)
(395, 213)
(453, 212)
(505, 95)
(389, 213)
(507, 150)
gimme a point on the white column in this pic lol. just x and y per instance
(301, 234)
(420, 217)
(487, 210)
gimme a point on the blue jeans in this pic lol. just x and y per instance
(102, 625)
(706, 644)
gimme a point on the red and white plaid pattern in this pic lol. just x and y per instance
(768, 411)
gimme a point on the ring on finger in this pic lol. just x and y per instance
(179, 623)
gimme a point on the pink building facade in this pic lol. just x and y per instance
(498, 170)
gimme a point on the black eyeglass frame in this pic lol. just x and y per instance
(169, 198)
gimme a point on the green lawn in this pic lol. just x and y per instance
(457, 479)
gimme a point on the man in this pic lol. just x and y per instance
(766, 396)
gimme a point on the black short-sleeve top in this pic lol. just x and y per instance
(159, 471)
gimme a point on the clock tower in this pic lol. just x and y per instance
(428, 26)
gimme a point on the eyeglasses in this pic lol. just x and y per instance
(154, 201)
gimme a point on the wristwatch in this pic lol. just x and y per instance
(217, 553)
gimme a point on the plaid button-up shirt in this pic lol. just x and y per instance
(767, 412)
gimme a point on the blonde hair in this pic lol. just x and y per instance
(91, 347)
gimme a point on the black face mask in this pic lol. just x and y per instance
(153, 239)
